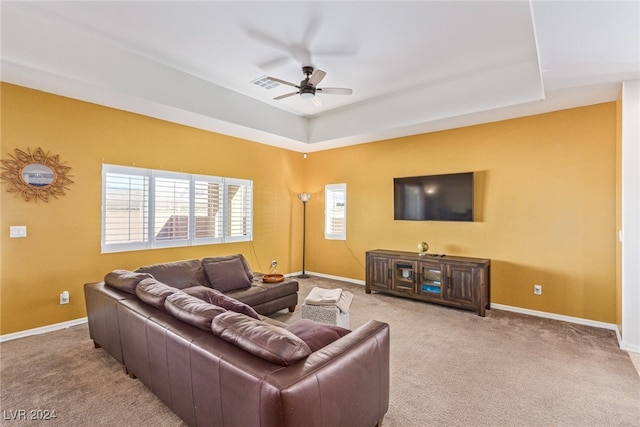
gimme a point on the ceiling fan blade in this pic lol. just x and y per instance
(311, 30)
(267, 40)
(335, 90)
(274, 63)
(286, 95)
(283, 82)
(317, 77)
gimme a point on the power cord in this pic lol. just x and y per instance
(353, 255)
(253, 248)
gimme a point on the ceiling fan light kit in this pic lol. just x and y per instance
(308, 87)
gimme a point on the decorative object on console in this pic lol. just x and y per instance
(36, 175)
(304, 198)
(423, 247)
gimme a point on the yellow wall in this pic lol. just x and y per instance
(545, 206)
(545, 202)
(62, 248)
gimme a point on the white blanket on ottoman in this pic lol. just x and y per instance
(338, 297)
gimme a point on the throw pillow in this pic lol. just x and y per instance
(316, 334)
(227, 275)
(215, 297)
(125, 280)
(192, 310)
(268, 342)
(154, 293)
(179, 274)
(241, 257)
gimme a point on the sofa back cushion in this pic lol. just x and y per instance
(316, 334)
(215, 297)
(272, 343)
(192, 310)
(241, 257)
(154, 293)
(179, 274)
(226, 273)
(125, 280)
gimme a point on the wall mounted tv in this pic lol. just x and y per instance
(434, 197)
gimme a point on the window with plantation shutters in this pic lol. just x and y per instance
(208, 215)
(335, 211)
(239, 203)
(170, 207)
(125, 216)
(146, 209)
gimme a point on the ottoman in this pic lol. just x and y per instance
(328, 306)
(326, 314)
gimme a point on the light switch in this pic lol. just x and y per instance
(18, 231)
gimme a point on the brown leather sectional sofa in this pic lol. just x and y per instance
(224, 365)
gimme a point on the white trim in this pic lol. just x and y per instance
(328, 276)
(43, 329)
(626, 346)
(554, 316)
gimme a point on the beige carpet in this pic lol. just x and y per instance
(448, 368)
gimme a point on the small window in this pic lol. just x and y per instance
(146, 209)
(335, 211)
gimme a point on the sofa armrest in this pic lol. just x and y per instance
(344, 383)
(102, 316)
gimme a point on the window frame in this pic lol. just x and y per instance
(150, 209)
(330, 211)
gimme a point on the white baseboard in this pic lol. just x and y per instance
(343, 279)
(554, 316)
(626, 346)
(577, 320)
(43, 329)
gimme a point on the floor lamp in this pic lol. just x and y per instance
(304, 198)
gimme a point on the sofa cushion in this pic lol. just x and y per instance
(215, 297)
(179, 274)
(154, 293)
(243, 260)
(260, 293)
(125, 280)
(277, 345)
(316, 334)
(227, 274)
(192, 310)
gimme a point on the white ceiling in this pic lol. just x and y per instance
(414, 67)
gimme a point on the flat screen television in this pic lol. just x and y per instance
(446, 197)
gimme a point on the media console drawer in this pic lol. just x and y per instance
(460, 282)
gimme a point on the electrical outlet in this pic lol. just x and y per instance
(64, 297)
(537, 289)
(274, 263)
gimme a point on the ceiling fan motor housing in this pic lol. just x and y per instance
(307, 90)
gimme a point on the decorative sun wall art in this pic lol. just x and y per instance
(35, 175)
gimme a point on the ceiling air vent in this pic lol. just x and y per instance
(265, 82)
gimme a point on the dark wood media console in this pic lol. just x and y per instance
(448, 280)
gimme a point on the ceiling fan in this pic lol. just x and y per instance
(309, 86)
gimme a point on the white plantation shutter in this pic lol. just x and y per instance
(170, 207)
(335, 211)
(125, 204)
(208, 213)
(239, 198)
(145, 209)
